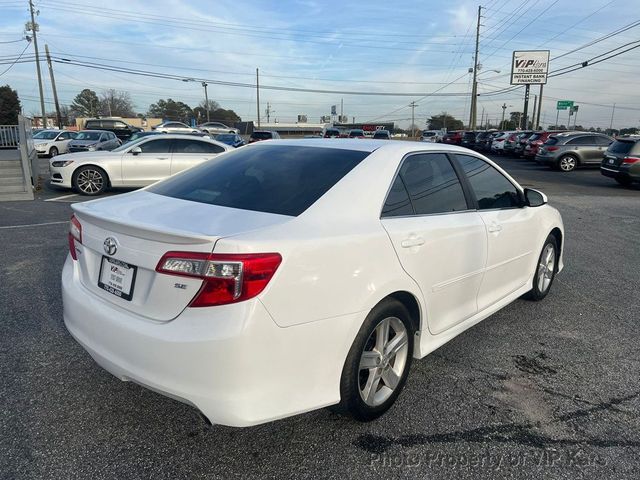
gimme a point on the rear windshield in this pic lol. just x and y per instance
(469, 135)
(551, 141)
(622, 146)
(381, 135)
(269, 178)
(535, 137)
(261, 135)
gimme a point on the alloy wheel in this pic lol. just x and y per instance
(546, 268)
(383, 361)
(567, 163)
(90, 181)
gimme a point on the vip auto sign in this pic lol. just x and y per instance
(530, 67)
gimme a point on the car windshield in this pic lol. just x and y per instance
(226, 138)
(284, 180)
(261, 135)
(46, 135)
(88, 136)
(622, 146)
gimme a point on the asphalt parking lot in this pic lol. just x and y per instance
(549, 388)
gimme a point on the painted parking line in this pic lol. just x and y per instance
(34, 225)
(60, 198)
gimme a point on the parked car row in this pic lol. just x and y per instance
(560, 150)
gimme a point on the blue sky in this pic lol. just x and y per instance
(375, 46)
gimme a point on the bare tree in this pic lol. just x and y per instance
(116, 103)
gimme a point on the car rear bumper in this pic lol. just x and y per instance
(545, 159)
(232, 362)
(619, 173)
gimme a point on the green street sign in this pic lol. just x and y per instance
(564, 104)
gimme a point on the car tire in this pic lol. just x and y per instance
(567, 163)
(546, 269)
(53, 152)
(90, 180)
(625, 182)
(376, 367)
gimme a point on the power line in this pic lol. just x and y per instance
(147, 73)
(17, 60)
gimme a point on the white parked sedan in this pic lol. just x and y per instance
(174, 127)
(134, 164)
(289, 276)
(52, 142)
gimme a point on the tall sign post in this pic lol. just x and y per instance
(563, 105)
(529, 67)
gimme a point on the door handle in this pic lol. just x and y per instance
(494, 228)
(162, 158)
(412, 242)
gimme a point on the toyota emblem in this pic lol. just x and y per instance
(110, 246)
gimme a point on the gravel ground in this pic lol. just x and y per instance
(549, 388)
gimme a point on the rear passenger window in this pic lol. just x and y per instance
(432, 184)
(397, 204)
(492, 189)
(195, 147)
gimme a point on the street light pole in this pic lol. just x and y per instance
(504, 109)
(206, 99)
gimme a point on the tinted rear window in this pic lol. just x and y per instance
(551, 141)
(621, 146)
(275, 179)
(261, 135)
(535, 136)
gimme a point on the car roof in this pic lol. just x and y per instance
(367, 145)
(93, 131)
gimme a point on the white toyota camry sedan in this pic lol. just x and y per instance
(293, 275)
(134, 164)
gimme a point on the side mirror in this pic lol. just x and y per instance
(59, 139)
(534, 198)
(135, 151)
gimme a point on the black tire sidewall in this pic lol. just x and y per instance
(535, 293)
(74, 180)
(53, 149)
(351, 401)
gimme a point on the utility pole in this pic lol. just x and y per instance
(504, 109)
(575, 118)
(413, 126)
(34, 28)
(612, 113)
(268, 112)
(258, 95)
(206, 99)
(474, 88)
(481, 120)
(537, 124)
(526, 106)
(533, 117)
(341, 107)
(53, 87)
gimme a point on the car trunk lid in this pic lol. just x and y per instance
(144, 226)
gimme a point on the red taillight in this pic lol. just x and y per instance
(227, 278)
(75, 235)
(630, 160)
(551, 149)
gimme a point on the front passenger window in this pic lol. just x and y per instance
(492, 189)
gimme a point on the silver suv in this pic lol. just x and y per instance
(569, 150)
